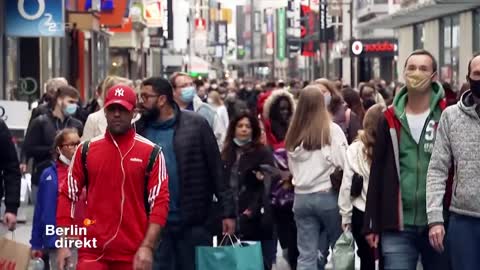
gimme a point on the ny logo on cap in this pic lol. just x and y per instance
(119, 92)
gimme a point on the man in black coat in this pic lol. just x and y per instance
(195, 172)
(10, 177)
(43, 129)
(46, 104)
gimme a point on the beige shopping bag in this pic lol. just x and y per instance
(13, 255)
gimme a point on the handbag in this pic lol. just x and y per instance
(13, 255)
(239, 256)
(357, 185)
(344, 252)
(336, 179)
(281, 190)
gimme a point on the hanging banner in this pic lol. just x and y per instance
(221, 35)
(270, 42)
(293, 28)
(307, 31)
(28, 18)
(281, 33)
(240, 30)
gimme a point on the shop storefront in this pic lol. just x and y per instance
(476, 30)
(449, 29)
(375, 59)
(450, 49)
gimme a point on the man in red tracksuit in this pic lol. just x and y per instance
(114, 170)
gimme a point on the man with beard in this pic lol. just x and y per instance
(195, 174)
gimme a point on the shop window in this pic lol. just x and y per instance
(476, 30)
(418, 36)
(449, 50)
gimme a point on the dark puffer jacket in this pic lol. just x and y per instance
(39, 140)
(200, 169)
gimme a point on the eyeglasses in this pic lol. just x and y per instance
(70, 145)
(144, 97)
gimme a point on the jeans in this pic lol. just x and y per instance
(401, 250)
(314, 214)
(177, 247)
(463, 241)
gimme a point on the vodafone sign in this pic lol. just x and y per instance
(374, 47)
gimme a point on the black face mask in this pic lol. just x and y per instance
(475, 87)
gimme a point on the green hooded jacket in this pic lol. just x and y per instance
(414, 158)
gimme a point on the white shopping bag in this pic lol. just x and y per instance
(26, 188)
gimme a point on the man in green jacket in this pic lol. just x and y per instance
(396, 200)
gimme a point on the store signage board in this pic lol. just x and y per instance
(374, 47)
(221, 35)
(28, 18)
(15, 114)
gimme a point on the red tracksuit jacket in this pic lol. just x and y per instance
(115, 201)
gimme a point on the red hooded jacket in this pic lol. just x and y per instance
(115, 202)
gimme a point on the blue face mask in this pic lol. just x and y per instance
(188, 93)
(241, 143)
(71, 109)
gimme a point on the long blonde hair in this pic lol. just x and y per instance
(310, 125)
(369, 132)
(112, 80)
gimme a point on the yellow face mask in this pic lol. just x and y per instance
(418, 81)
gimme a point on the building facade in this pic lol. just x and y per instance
(29, 56)
(449, 29)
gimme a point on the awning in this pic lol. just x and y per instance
(198, 65)
(419, 13)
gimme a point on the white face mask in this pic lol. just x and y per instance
(63, 158)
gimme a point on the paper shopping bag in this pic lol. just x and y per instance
(247, 256)
(344, 252)
(13, 255)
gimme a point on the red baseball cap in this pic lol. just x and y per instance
(122, 95)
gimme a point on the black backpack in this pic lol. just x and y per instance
(153, 155)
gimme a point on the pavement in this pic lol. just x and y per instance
(24, 229)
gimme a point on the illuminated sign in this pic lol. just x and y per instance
(374, 47)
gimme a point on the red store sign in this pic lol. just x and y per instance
(374, 47)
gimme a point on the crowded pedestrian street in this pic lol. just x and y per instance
(239, 135)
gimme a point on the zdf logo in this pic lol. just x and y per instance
(34, 16)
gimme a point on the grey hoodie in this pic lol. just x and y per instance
(458, 138)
